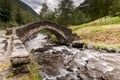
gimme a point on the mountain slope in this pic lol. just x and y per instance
(26, 7)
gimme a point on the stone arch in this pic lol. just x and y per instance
(63, 34)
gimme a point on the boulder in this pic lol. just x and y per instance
(89, 46)
(21, 69)
(16, 62)
(118, 51)
(110, 50)
(8, 31)
(78, 44)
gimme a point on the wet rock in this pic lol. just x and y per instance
(2, 51)
(76, 37)
(94, 74)
(82, 69)
(60, 78)
(78, 44)
(51, 71)
(18, 44)
(19, 53)
(84, 77)
(103, 51)
(2, 40)
(118, 51)
(16, 62)
(2, 46)
(70, 76)
(21, 69)
(8, 31)
(70, 69)
(89, 46)
(99, 66)
(41, 49)
(111, 50)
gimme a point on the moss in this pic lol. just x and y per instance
(23, 79)
(118, 46)
(53, 37)
(35, 77)
(43, 31)
(10, 75)
(100, 47)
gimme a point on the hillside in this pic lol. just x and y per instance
(26, 7)
(15, 13)
(100, 33)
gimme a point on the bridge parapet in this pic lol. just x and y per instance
(19, 57)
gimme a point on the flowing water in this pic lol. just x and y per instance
(63, 62)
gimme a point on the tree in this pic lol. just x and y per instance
(65, 9)
(78, 17)
(5, 10)
(19, 17)
(115, 8)
(44, 11)
(96, 9)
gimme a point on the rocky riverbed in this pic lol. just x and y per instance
(67, 63)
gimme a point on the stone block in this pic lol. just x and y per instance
(16, 62)
(21, 69)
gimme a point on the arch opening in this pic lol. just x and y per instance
(53, 36)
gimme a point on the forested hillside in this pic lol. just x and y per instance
(67, 14)
(15, 13)
(25, 7)
(95, 9)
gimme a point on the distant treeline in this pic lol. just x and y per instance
(89, 10)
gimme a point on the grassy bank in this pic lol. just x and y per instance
(99, 34)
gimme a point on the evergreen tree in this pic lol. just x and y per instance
(100, 8)
(65, 9)
(5, 10)
(44, 11)
(19, 18)
(77, 17)
(115, 8)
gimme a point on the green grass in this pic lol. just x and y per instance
(102, 34)
(10, 75)
(99, 22)
(111, 20)
(34, 66)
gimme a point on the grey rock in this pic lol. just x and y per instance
(89, 46)
(78, 44)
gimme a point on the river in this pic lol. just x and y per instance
(62, 62)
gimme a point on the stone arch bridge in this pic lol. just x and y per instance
(20, 59)
(63, 34)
